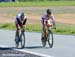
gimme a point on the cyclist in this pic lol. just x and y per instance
(46, 20)
(20, 22)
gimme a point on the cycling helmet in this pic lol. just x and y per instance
(22, 14)
(48, 11)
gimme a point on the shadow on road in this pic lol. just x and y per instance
(27, 47)
(33, 47)
(11, 48)
(7, 48)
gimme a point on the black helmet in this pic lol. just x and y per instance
(22, 13)
(48, 11)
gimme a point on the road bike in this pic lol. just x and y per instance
(20, 38)
(48, 37)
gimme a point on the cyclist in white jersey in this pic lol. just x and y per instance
(20, 21)
(46, 20)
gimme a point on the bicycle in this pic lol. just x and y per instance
(20, 38)
(47, 37)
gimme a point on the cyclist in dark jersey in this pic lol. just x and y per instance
(20, 21)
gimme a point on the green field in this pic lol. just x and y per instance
(37, 3)
(61, 28)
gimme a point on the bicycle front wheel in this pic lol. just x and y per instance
(50, 39)
(22, 40)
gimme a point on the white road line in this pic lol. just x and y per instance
(2, 46)
(34, 53)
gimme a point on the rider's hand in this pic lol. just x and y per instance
(54, 27)
(23, 26)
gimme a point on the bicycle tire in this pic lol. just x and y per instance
(22, 40)
(50, 39)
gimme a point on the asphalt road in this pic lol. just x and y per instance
(64, 45)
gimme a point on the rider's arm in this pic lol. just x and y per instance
(53, 21)
(19, 22)
(43, 19)
(25, 21)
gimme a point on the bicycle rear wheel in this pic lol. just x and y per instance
(50, 39)
(22, 40)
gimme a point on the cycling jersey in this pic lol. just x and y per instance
(19, 21)
(49, 19)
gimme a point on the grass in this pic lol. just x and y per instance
(61, 28)
(65, 28)
(44, 3)
(9, 26)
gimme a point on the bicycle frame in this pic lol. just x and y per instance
(21, 33)
(47, 34)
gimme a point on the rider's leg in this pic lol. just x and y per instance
(42, 37)
(43, 30)
(46, 31)
(17, 30)
(17, 34)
